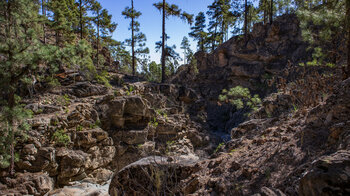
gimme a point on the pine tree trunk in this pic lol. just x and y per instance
(214, 40)
(202, 44)
(44, 14)
(132, 38)
(348, 28)
(245, 18)
(81, 18)
(163, 44)
(265, 10)
(11, 105)
(98, 38)
(184, 56)
(271, 11)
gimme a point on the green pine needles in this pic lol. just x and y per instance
(13, 127)
(241, 98)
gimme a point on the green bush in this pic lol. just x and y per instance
(61, 138)
(63, 100)
(103, 78)
(241, 98)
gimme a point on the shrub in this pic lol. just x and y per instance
(241, 98)
(61, 138)
(63, 100)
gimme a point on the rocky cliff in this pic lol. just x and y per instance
(250, 62)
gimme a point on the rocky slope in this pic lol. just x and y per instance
(292, 151)
(86, 131)
(280, 150)
(163, 139)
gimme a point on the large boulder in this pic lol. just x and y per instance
(131, 112)
(330, 175)
(36, 160)
(151, 176)
(72, 165)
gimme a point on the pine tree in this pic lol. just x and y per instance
(21, 51)
(84, 6)
(104, 26)
(185, 45)
(64, 20)
(172, 58)
(122, 57)
(221, 18)
(138, 39)
(323, 25)
(169, 10)
(198, 31)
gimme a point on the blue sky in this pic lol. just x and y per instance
(151, 21)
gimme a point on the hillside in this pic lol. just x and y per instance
(178, 138)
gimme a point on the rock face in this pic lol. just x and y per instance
(27, 184)
(330, 175)
(81, 132)
(250, 63)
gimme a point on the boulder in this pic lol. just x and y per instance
(90, 137)
(151, 176)
(330, 175)
(72, 165)
(100, 156)
(43, 160)
(131, 136)
(86, 89)
(28, 184)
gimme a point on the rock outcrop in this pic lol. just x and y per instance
(251, 63)
(280, 149)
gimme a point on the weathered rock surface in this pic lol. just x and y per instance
(85, 89)
(27, 184)
(330, 175)
(250, 63)
(151, 176)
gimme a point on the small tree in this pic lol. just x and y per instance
(185, 45)
(241, 98)
(104, 24)
(198, 31)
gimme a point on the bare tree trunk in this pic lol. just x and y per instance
(132, 38)
(163, 44)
